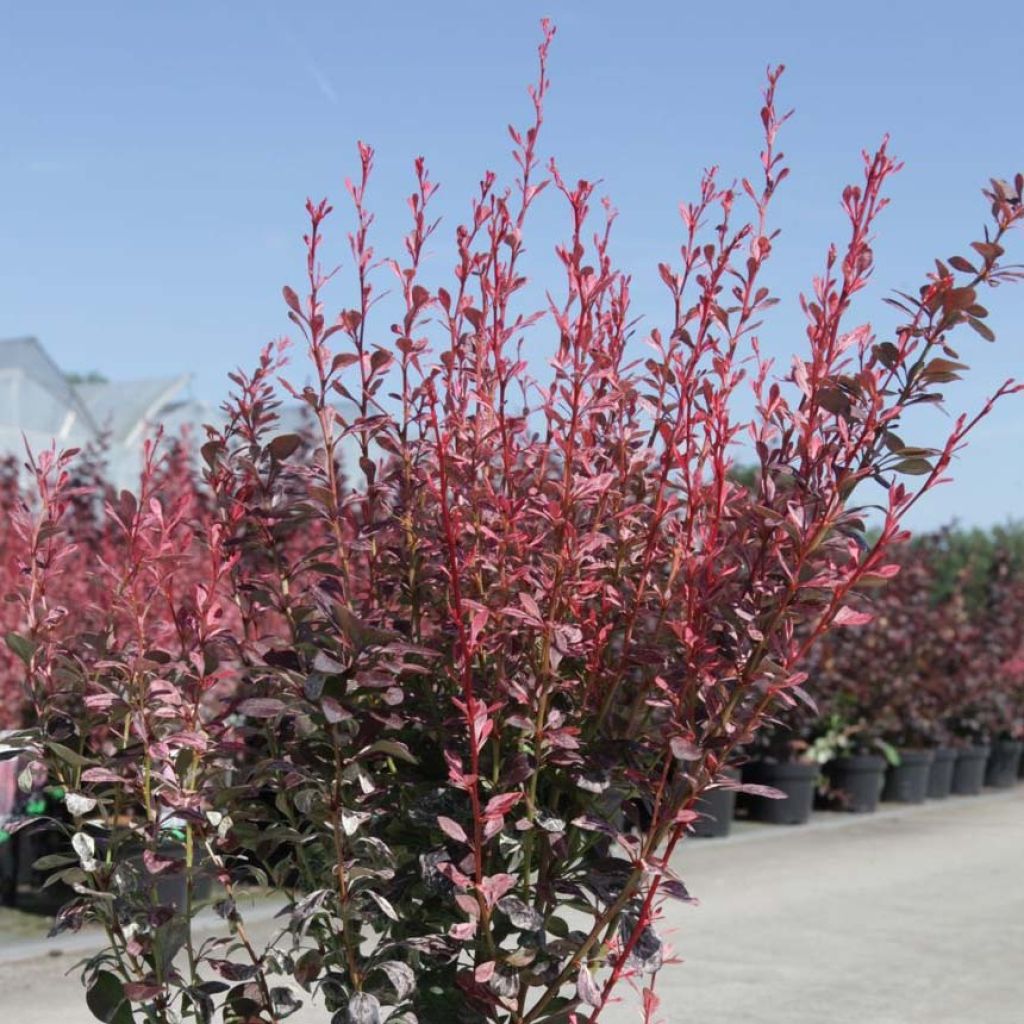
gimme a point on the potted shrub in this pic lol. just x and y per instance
(1005, 745)
(716, 807)
(987, 753)
(1004, 635)
(908, 779)
(780, 760)
(1004, 763)
(797, 781)
(971, 734)
(970, 766)
(459, 662)
(898, 675)
(940, 774)
(985, 704)
(854, 757)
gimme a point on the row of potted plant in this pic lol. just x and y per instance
(858, 782)
(923, 700)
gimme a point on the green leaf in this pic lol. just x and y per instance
(889, 752)
(21, 646)
(69, 876)
(54, 860)
(393, 749)
(913, 467)
(68, 755)
(105, 998)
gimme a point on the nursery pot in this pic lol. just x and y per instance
(1004, 763)
(907, 782)
(969, 770)
(940, 774)
(858, 781)
(796, 779)
(716, 807)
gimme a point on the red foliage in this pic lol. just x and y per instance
(434, 697)
(933, 665)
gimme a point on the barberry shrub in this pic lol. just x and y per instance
(940, 662)
(456, 697)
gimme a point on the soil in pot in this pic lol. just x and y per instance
(716, 808)
(969, 770)
(796, 779)
(1004, 763)
(856, 782)
(907, 782)
(940, 774)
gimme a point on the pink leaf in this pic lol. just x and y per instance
(531, 607)
(753, 789)
(495, 886)
(100, 775)
(157, 865)
(500, 805)
(468, 904)
(141, 991)
(452, 829)
(261, 707)
(847, 616)
(684, 749)
(477, 624)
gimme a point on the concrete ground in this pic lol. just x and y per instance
(910, 916)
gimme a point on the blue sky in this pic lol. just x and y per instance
(155, 158)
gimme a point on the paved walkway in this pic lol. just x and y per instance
(910, 916)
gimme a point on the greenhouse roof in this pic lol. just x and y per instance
(124, 408)
(40, 406)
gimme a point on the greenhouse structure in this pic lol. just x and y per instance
(40, 405)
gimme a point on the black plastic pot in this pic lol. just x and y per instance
(716, 809)
(907, 782)
(794, 778)
(969, 770)
(940, 774)
(1004, 763)
(857, 781)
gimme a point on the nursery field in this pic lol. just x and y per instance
(462, 630)
(908, 915)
